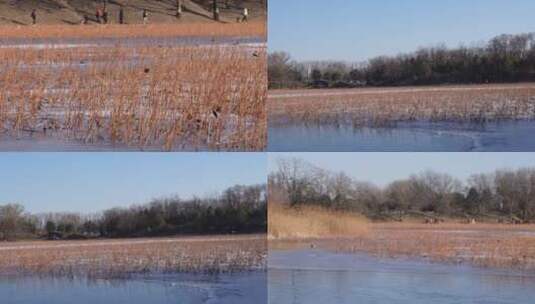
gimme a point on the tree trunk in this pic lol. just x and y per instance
(178, 8)
(215, 9)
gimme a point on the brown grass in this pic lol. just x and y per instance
(121, 257)
(164, 98)
(313, 222)
(384, 106)
(255, 29)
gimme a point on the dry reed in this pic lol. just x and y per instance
(148, 97)
(121, 257)
(313, 222)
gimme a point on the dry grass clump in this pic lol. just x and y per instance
(386, 106)
(249, 29)
(148, 97)
(313, 222)
(121, 257)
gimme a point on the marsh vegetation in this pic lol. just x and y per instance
(378, 107)
(123, 257)
(160, 87)
(309, 222)
(429, 216)
(478, 98)
(496, 246)
(116, 241)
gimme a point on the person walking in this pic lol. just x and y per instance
(121, 15)
(105, 16)
(245, 15)
(145, 16)
(98, 15)
(215, 10)
(217, 14)
(34, 17)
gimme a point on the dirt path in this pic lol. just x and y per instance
(73, 11)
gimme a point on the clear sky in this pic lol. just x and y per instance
(383, 168)
(355, 30)
(92, 182)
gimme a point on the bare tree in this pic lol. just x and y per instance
(282, 71)
(504, 192)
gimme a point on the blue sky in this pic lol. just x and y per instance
(90, 182)
(355, 30)
(383, 168)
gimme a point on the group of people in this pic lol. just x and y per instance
(101, 15)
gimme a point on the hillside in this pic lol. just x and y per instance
(160, 11)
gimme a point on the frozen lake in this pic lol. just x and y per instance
(41, 43)
(186, 288)
(511, 136)
(315, 276)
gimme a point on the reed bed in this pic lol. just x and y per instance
(313, 222)
(485, 245)
(113, 258)
(378, 107)
(253, 29)
(148, 97)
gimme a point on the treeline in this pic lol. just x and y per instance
(505, 195)
(240, 209)
(504, 59)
